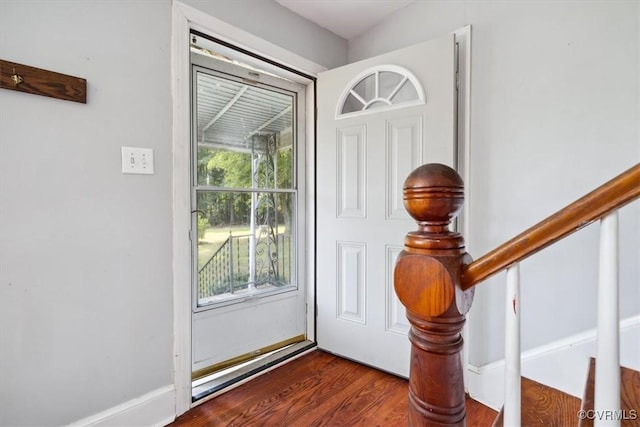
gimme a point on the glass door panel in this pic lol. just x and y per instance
(245, 189)
(245, 245)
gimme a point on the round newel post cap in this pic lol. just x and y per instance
(433, 194)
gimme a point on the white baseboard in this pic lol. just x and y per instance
(156, 408)
(561, 364)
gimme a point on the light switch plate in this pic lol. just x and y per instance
(137, 160)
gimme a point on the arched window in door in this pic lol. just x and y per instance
(380, 87)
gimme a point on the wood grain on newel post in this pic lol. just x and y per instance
(427, 282)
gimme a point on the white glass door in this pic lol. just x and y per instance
(248, 212)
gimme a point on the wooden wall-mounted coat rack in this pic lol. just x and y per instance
(37, 81)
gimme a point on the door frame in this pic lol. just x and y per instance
(184, 19)
(463, 162)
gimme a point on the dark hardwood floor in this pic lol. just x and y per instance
(317, 389)
(629, 396)
(545, 406)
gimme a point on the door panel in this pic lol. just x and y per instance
(261, 324)
(404, 150)
(391, 125)
(352, 169)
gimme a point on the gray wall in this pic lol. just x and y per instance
(86, 292)
(86, 282)
(555, 112)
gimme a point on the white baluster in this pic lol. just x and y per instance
(607, 387)
(512, 349)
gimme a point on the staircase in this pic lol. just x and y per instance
(246, 261)
(434, 278)
(545, 406)
(216, 275)
(629, 414)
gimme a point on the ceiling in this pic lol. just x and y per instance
(346, 18)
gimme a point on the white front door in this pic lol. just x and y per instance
(378, 119)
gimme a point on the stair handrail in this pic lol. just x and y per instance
(206, 281)
(215, 254)
(434, 279)
(607, 198)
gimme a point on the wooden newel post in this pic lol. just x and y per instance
(427, 282)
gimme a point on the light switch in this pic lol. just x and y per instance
(137, 160)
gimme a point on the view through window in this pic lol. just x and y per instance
(245, 188)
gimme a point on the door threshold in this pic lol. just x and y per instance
(212, 385)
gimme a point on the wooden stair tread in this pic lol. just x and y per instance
(544, 405)
(629, 396)
(478, 414)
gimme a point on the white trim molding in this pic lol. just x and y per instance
(181, 209)
(155, 408)
(561, 364)
(463, 159)
(185, 18)
(200, 21)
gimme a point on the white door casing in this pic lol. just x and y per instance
(362, 161)
(184, 18)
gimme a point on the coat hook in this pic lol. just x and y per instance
(16, 78)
